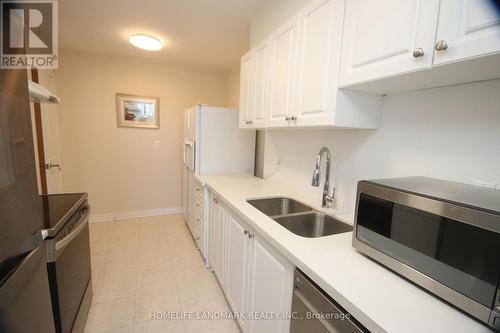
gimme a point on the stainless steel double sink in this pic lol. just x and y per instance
(299, 218)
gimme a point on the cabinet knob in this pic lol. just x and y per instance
(250, 235)
(418, 52)
(441, 45)
(293, 118)
(287, 118)
(250, 122)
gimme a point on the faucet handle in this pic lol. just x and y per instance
(329, 201)
(315, 178)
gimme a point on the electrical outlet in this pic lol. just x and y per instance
(485, 184)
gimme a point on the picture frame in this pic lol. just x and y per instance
(138, 111)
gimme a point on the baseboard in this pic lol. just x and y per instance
(134, 214)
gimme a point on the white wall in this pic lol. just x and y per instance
(450, 133)
(271, 15)
(233, 88)
(120, 168)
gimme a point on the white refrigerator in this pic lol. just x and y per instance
(213, 143)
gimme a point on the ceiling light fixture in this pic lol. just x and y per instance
(146, 42)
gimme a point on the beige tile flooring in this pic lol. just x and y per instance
(150, 265)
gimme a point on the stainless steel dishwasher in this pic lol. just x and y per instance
(314, 311)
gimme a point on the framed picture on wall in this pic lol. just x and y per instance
(138, 111)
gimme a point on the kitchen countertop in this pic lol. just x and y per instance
(378, 298)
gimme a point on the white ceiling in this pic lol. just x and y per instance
(202, 33)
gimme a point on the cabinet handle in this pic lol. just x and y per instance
(287, 119)
(245, 232)
(293, 118)
(418, 52)
(250, 122)
(441, 45)
(250, 235)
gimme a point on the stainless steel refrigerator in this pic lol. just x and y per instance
(24, 290)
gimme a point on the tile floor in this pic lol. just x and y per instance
(150, 265)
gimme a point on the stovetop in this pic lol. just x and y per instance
(58, 208)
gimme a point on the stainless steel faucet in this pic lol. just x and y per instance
(327, 198)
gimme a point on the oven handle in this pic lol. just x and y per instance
(60, 245)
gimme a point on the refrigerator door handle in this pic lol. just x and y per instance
(189, 153)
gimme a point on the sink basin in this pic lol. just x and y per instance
(313, 224)
(279, 206)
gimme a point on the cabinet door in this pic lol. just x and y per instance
(470, 28)
(246, 89)
(270, 288)
(237, 261)
(282, 62)
(222, 245)
(213, 235)
(261, 67)
(319, 52)
(380, 36)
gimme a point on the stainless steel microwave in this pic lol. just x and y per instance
(443, 236)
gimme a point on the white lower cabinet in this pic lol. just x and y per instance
(255, 278)
(217, 252)
(237, 266)
(270, 287)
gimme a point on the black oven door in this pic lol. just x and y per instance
(70, 273)
(461, 256)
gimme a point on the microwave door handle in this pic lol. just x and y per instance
(60, 245)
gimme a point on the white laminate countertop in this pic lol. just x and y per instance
(378, 298)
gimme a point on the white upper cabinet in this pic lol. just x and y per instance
(282, 62)
(254, 75)
(247, 86)
(466, 29)
(295, 74)
(316, 78)
(391, 46)
(261, 68)
(387, 37)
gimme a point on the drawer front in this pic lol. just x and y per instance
(199, 210)
(198, 191)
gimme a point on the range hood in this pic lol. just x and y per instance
(40, 94)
